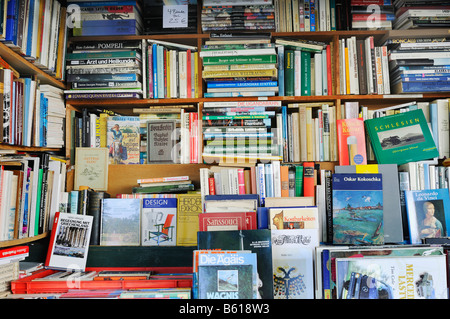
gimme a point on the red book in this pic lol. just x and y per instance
(241, 181)
(308, 179)
(212, 187)
(351, 141)
(227, 221)
(12, 253)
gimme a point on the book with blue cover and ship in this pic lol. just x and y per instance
(357, 201)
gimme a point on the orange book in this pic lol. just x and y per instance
(284, 177)
(308, 179)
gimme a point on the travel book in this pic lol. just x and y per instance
(401, 138)
(351, 141)
(159, 222)
(123, 138)
(428, 213)
(357, 209)
(69, 242)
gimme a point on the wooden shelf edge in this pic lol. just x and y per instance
(15, 242)
(27, 148)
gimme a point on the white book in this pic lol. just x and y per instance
(6, 180)
(443, 127)
(213, 53)
(318, 72)
(368, 43)
(297, 73)
(342, 69)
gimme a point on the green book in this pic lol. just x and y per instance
(298, 180)
(103, 55)
(249, 59)
(38, 201)
(305, 62)
(289, 72)
(401, 138)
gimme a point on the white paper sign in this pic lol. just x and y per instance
(175, 16)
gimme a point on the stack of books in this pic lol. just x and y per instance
(420, 65)
(411, 14)
(238, 15)
(239, 130)
(370, 15)
(108, 18)
(49, 118)
(233, 69)
(104, 69)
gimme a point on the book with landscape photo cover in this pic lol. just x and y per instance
(401, 138)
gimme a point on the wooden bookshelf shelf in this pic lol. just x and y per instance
(22, 241)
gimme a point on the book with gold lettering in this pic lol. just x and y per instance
(401, 138)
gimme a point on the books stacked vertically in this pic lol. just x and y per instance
(37, 32)
(239, 131)
(155, 22)
(372, 15)
(239, 69)
(295, 16)
(9, 266)
(172, 70)
(238, 15)
(363, 67)
(52, 100)
(423, 14)
(104, 69)
(107, 18)
(304, 67)
(419, 63)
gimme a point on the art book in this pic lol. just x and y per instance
(159, 222)
(123, 138)
(228, 276)
(91, 168)
(293, 263)
(351, 141)
(357, 209)
(121, 222)
(401, 138)
(294, 217)
(257, 241)
(69, 242)
(416, 277)
(189, 208)
(428, 213)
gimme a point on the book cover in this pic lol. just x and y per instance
(161, 140)
(69, 242)
(91, 168)
(351, 141)
(121, 222)
(417, 277)
(294, 218)
(392, 212)
(293, 261)
(159, 222)
(227, 276)
(189, 208)
(227, 221)
(123, 139)
(401, 138)
(257, 241)
(357, 209)
(428, 213)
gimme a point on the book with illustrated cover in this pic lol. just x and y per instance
(428, 213)
(123, 139)
(294, 217)
(357, 201)
(159, 221)
(91, 168)
(351, 141)
(69, 242)
(401, 138)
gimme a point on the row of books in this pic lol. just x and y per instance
(243, 17)
(34, 29)
(32, 187)
(100, 19)
(413, 15)
(105, 69)
(10, 270)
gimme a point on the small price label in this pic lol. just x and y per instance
(175, 16)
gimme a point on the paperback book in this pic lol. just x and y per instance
(357, 209)
(294, 218)
(159, 221)
(123, 138)
(351, 141)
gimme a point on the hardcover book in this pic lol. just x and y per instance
(159, 222)
(294, 218)
(91, 168)
(189, 208)
(357, 209)
(121, 222)
(351, 141)
(401, 138)
(161, 140)
(227, 221)
(123, 139)
(428, 213)
(69, 242)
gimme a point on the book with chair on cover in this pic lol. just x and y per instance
(159, 222)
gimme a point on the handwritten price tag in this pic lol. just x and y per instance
(175, 16)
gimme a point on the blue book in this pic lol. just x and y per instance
(233, 197)
(432, 86)
(425, 77)
(102, 31)
(11, 21)
(280, 50)
(27, 123)
(434, 122)
(160, 71)
(236, 84)
(103, 3)
(109, 23)
(312, 15)
(43, 128)
(155, 70)
(424, 67)
(239, 94)
(30, 28)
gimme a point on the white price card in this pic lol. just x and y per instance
(175, 16)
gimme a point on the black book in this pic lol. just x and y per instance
(94, 208)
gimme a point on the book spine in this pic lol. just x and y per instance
(250, 59)
(104, 55)
(103, 31)
(308, 179)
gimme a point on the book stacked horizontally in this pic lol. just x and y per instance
(238, 15)
(107, 18)
(420, 64)
(370, 15)
(423, 14)
(238, 68)
(104, 69)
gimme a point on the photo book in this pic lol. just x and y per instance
(428, 213)
(159, 222)
(69, 242)
(401, 138)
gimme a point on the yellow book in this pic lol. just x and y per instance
(103, 119)
(196, 75)
(239, 73)
(189, 207)
(347, 72)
